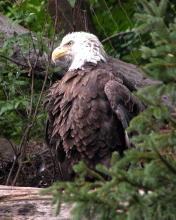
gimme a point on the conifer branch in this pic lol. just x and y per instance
(171, 168)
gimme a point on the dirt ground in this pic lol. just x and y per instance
(37, 170)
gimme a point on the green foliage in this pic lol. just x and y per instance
(31, 14)
(15, 105)
(72, 3)
(112, 18)
(142, 184)
(19, 91)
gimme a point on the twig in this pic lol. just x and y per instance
(22, 148)
(57, 6)
(121, 35)
(104, 32)
(11, 60)
(49, 61)
(32, 90)
(2, 164)
(41, 152)
(13, 165)
(116, 35)
(169, 166)
(13, 147)
(30, 68)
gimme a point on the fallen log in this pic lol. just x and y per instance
(25, 203)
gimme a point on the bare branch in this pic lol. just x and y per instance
(116, 35)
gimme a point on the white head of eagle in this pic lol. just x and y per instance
(90, 108)
(79, 48)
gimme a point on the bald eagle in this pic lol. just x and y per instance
(90, 108)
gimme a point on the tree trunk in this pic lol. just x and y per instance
(71, 19)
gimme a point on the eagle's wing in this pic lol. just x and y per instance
(55, 142)
(123, 103)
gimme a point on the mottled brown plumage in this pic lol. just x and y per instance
(88, 112)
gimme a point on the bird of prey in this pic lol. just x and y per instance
(90, 108)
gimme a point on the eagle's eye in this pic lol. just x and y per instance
(70, 43)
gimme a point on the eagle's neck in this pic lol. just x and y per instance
(87, 53)
(79, 64)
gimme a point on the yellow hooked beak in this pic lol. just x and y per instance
(58, 53)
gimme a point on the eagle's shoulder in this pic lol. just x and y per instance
(105, 70)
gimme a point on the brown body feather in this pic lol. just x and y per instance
(88, 112)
